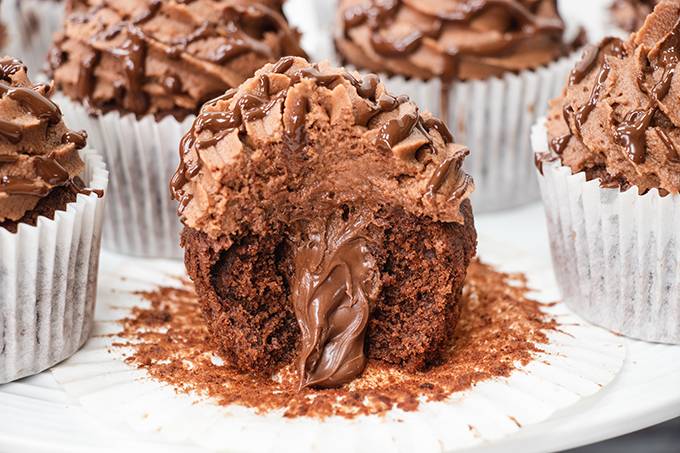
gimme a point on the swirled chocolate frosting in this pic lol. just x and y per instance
(449, 39)
(326, 194)
(38, 154)
(631, 14)
(165, 57)
(619, 114)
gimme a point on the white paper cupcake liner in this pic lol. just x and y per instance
(48, 282)
(31, 25)
(579, 361)
(142, 155)
(616, 253)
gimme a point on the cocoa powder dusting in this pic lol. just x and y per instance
(499, 330)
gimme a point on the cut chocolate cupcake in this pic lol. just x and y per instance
(326, 221)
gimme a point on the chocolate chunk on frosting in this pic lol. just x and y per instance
(37, 152)
(326, 194)
(449, 39)
(617, 118)
(165, 57)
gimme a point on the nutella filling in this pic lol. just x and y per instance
(334, 285)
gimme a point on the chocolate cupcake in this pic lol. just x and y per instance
(487, 68)
(136, 73)
(325, 221)
(31, 25)
(629, 15)
(610, 176)
(51, 202)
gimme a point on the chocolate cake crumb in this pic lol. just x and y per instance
(499, 330)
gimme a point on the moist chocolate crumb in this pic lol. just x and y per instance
(499, 330)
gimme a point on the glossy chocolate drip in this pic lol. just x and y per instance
(51, 171)
(134, 53)
(439, 126)
(396, 130)
(30, 98)
(79, 139)
(332, 290)
(632, 132)
(452, 166)
(20, 186)
(559, 144)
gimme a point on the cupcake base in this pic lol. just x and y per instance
(48, 276)
(616, 253)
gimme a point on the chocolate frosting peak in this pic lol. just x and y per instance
(450, 39)
(617, 119)
(165, 57)
(37, 152)
(325, 191)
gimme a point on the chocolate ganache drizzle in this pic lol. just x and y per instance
(37, 152)
(334, 279)
(165, 57)
(626, 131)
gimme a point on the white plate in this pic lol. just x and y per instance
(35, 415)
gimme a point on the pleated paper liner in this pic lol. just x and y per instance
(31, 25)
(48, 276)
(616, 253)
(142, 155)
(577, 362)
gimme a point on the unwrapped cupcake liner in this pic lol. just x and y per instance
(142, 155)
(616, 253)
(48, 281)
(578, 361)
(31, 25)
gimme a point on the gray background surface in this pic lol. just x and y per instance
(664, 438)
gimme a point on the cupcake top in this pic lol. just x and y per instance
(38, 153)
(619, 114)
(631, 14)
(449, 39)
(165, 57)
(345, 136)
